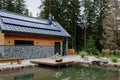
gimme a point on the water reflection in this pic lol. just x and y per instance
(68, 78)
(65, 73)
(24, 77)
(57, 74)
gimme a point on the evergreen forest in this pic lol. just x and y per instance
(92, 24)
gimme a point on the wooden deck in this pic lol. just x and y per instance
(18, 60)
(51, 62)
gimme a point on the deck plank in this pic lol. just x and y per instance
(51, 62)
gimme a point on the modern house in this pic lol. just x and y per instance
(28, 37)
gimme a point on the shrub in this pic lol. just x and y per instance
(83, 53)
(100, 55)
(113, 58)
(105, 52)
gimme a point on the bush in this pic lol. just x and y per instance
(100, 55)
(83, 53)
(113, 58)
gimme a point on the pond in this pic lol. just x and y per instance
(61, 73)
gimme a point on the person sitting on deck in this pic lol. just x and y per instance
(57, 57)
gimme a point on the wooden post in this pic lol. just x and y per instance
(66, 45)
(19, 61)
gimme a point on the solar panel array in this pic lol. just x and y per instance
(22, 17)
(24, 24)
(22, 30)
(30, 24)
(22, 20)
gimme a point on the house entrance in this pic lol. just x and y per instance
(57, 47)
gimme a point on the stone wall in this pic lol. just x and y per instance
(28, 52)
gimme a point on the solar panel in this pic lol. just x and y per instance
(30, 24)
(22, 17)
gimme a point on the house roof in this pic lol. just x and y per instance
(20, 24)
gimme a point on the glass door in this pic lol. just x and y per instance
(57, 47)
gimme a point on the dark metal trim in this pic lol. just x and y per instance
(32, 34)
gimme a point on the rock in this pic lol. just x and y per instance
(96, 62)
(103, 60)
(100, 61)
(86, 58)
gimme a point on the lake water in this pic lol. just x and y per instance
(61, 73)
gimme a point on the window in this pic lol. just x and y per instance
(23, 42)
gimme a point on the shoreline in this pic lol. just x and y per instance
(77, 59)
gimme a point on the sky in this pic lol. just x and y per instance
(33, 5)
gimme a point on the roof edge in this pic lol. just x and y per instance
(32, 34)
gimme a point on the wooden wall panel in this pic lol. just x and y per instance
(1, 38)
(45, 41)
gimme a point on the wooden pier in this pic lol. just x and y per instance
(51, 62)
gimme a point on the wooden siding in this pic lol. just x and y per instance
(1, 38)
(43, 41)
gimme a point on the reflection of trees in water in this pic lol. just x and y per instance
(57, 74)
(24, 77)
(68, 73)
(84, 73)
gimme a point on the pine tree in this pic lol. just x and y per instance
(10, 5)
(71, 15)
(50, 6)
(17, 6)
(2, 4)
(94, 13)
(91, 46)
(21, 7)
(66, 12)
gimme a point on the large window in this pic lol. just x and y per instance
(23, 42)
